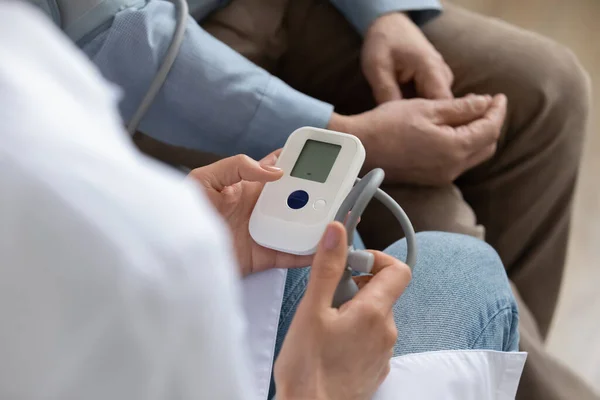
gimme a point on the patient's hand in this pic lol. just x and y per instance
(427, 142)
(396, 51)
(233, 186)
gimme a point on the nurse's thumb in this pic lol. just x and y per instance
(232, 170)
(328, 265)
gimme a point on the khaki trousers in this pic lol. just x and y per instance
(520, 201)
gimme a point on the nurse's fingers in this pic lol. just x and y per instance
(272, 158)
(362, 280)
(235, 169)
(390, 278)
(328, 266)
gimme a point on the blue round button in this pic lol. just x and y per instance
(297, 199)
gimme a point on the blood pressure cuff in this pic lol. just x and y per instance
(78, 18)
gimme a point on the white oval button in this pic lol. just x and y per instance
(319, 204)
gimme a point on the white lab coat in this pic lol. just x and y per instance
(116, 276)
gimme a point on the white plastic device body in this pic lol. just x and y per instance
(277, 225)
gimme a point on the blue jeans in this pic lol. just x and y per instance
(459, 298)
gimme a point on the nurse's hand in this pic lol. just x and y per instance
(233, 186)
(329, 353)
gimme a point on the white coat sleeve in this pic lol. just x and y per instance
(116, 276)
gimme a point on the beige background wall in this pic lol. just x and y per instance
(575, 337)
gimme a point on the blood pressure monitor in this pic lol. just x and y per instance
(320, 168)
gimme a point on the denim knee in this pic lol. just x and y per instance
(459, 298)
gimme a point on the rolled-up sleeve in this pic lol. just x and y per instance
(214, 99)
(362, 13)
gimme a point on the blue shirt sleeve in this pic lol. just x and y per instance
(214, 99)
(362, 13)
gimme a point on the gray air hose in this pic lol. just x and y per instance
(351, 209)
(161, 75)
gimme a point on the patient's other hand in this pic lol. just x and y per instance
(396, 51)
(233, 186)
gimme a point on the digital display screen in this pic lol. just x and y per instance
(316, 161)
